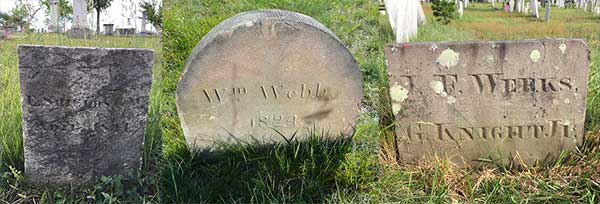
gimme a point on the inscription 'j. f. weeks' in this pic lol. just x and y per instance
(488, 100)
(264, 75)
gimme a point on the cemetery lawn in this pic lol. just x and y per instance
(356, 169)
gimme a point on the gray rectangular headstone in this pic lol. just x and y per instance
(84, 111)
(488, 100)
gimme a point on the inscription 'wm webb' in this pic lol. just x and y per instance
(283, 91)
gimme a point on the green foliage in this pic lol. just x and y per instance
(153, 11)
(98, 5)
(4, 18)
(64, 8)
(443, 10)
(18, 15)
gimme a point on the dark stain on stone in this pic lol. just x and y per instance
(319, 115)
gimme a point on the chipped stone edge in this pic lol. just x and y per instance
(85, 48)
(454, 43)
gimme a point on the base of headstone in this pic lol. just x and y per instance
(81, 33)
(144, 34)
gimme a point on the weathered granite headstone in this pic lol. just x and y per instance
(84, 112)
(264, 72)
(482, 100)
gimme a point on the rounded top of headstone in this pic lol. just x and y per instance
(266, 72)
(254, 18)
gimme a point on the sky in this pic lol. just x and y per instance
(119, 13)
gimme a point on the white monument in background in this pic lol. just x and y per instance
(404, 17)
(460, 8)
(560, 3)
(534, 8)
(547, 16)
(422, 20)
(54, 16)
(143, 23)
(80, 28)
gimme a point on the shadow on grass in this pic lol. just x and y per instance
(288, 171)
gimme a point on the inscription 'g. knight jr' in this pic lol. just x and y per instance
(262, 73)
(84, 112)
(489, 100)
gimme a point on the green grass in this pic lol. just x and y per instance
(353, 169)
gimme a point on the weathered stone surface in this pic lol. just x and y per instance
(488, 100)
(264, 72)
(84, 111)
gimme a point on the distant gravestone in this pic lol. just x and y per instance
(534, 8)
(547, 16)
(264, 75)
(560, 4)
(108, 29)
(54, 16)
(80, 23)
(404, 18)
(421, 18)
(488, 100)
(460, 9)
(512, 6)
(84, 112)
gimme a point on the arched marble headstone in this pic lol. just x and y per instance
(265, 75)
